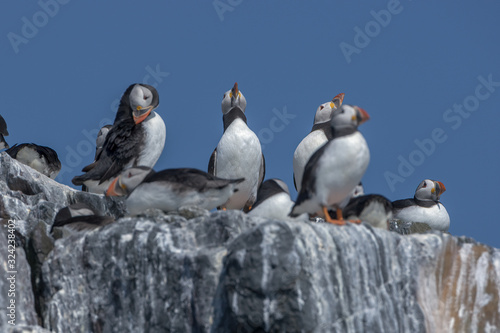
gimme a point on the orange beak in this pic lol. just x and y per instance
(139, 118)
(235, 90)
(441, 188)
(340, 97)
(111, 189)
(364, 115)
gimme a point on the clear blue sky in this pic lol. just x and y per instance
(420, 70)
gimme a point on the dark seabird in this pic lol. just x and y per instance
(137, 137)
(239, 153)
(171, 189)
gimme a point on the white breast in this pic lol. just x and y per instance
(239, 154)
(154, 141)
(436, 216)
(276, 207)
(303, 153)
(341, 168)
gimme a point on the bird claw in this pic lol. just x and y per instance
(355, 221)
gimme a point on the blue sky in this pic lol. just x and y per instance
(428, 75)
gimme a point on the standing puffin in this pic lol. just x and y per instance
(320, 133)
(3, 132)
(424, 207)
(171, 189)
(239, 153)
(42, 159)
(335, 169)
(273, 201)
(137, 137)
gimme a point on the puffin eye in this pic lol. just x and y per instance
(425, 185)
(145, 97)
(321, 107)
(224, 96)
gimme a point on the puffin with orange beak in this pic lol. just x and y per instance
(334, 170)
(424, 207)
(136, 138)
(320, 133)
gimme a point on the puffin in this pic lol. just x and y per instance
(425, 206)
(274, 202)
(374, 209)
(42, 159)
(320, 133)
(3, 132)
(171, 189)
(238, 153)
(336, 168)
(137, 137)
(80, 216)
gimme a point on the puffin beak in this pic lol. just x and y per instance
(337, 101)
(363, 116)
(111, 192)
(440, 188)
(140, 114)
(234, 93)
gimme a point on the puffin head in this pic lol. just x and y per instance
(127, 181)
(142, 99)
(232, 98)
(324, 111)
(348, 116)
(429, 190)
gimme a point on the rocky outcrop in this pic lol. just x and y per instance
(196, 271)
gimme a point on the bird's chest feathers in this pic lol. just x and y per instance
(154, 140)
(238, 143)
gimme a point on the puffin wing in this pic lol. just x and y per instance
(212, 164)
(262, 171)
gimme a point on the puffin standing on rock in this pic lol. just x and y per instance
(334, 170)
(137, 137)
(424, 207)
(320, 133)
(171, 189)
(239, 153)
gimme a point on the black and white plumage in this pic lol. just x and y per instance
(42, 159)
(424, 207)
(171, 189)
(80, 216)
(3, 132)
(273, 201)
(334, 170)
(373, 209)
(137, 137)
(239, 153)
(320, 133)
(101, 138)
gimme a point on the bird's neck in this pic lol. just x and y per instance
(232, 115)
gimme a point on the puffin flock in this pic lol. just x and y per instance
(328, 164)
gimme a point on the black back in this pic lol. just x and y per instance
(3, 127)
(267, 190)
(404, 203)
(358, 204)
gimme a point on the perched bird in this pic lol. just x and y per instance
(424, 207)
(374, 209)
(137, 137)
(42, 159)
(273, 201)
(334, 170)
(80, 216)
(239, 153)
(3, 132)
(171, 189)
(320, 133)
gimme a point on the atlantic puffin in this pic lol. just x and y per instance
(239, 153)
(320, 133)
(137, 137)
(274, 202)
(42, 159)
(80, 216)
(171, 189)
(374, 209)
(424, 207)
(334, 170)
(3, 132)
